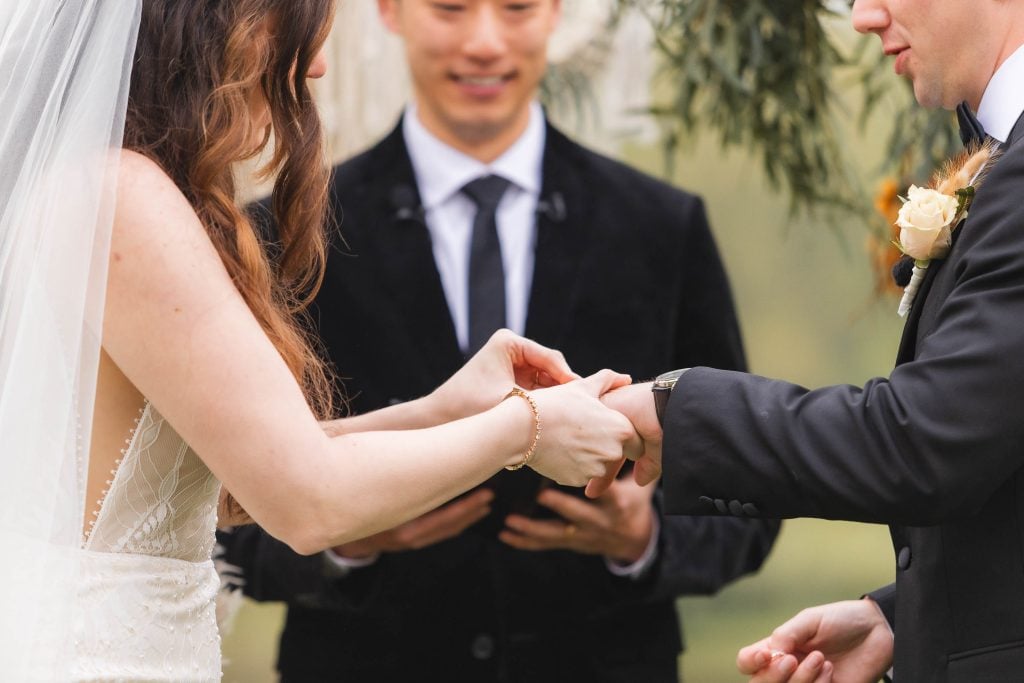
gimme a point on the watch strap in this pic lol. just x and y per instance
(662, 389)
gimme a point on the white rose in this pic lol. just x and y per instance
(925, 221)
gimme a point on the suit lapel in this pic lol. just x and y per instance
(561, 240)
(402, 243)
(1016, 133)
(908, 342)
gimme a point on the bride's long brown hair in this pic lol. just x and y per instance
(200, 65)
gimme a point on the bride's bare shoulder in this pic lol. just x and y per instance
(148, 201)
(163, 264)
(139, 172)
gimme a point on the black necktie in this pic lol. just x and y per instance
(971, 130)
(486, 273)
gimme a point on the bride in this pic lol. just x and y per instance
(149, 351)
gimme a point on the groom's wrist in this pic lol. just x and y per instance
(661, 389)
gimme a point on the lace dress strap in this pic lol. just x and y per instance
(161, 499)
(128, 446)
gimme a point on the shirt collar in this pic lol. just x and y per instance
(1003, 101)
(441, 171)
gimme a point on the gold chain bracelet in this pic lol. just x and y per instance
(516, 391)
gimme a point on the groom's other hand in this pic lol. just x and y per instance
(845, 642)
(636, 402)
(618, 525)
(435, 526)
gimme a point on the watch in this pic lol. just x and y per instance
(662, 390)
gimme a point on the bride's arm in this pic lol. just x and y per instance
(416, 414)
(178, 328)
(470, 390)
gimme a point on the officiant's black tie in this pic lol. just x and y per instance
(486, 273)
(971, 130)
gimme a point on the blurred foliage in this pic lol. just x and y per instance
(567, 89)
(758, 73)
(763, 76)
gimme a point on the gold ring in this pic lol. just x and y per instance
(570, 530)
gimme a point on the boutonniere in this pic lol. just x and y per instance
(930, 215)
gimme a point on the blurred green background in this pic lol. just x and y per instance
(804, 290)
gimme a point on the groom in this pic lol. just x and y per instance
(936, 450)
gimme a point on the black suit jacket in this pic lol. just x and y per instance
(936, 450)
(627, 276)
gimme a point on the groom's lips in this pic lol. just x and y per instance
(902, 54)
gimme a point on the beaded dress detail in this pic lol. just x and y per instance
(148, 584)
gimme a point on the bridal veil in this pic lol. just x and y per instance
(64, 74)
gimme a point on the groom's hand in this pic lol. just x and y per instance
(618, 525)
(842, 642)
(435, 526)
(637, 403)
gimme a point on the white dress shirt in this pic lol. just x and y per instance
(441, 172)
(1003, 101)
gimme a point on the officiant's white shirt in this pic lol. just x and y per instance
(441, 173)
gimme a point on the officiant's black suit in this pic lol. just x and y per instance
(936, 451)
(617, 252)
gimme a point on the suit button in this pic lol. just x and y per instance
(903, 559)
(721, 506)
(751, 510)
(736, 509)
(483, 646)
(704, 500)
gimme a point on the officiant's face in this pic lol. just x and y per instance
(948, 48)
(475, 64)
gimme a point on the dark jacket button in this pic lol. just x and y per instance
(721, 506)
(736, 509)
(903, 559)
(483, 646)
(706, 501)
(751, 510)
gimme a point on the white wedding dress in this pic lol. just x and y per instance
(148, 584)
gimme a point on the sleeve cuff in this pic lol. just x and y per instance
(888, 590)
(337, 566)
(637, 570)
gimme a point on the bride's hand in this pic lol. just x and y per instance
(581, 438)
(505, 360)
